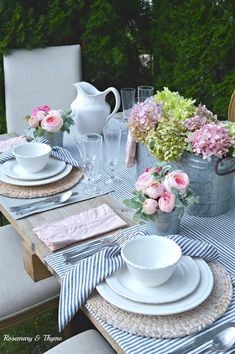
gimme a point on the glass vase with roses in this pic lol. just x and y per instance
(48, 122)
(160, 197)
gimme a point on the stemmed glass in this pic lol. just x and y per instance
(112, 139)
(90, 149)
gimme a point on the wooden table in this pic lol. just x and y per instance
(35, 250)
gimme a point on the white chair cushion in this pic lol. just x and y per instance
(88, 342)
(39, 77)
(18, 291)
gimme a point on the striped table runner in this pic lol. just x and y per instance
(218, 231)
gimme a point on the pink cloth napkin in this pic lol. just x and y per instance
(130, 151)
(9, 143)
(79, 227)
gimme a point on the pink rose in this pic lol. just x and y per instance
(52, 123)
(144, 181)
(56, 112)
(33, 122)
(155, 190)
(178, 180)
(40, 115)
(166, 202)
(150, 206)
(40, 108)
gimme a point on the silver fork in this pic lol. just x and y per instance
(92, 245)
(117, 239)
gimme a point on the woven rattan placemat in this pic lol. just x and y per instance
(172, 326)
(63, 184)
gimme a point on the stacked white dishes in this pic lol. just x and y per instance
(32, 157)
(189, 285)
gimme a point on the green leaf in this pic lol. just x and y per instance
(142, 196)
(132, 203)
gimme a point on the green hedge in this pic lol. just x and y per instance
(191, 43)
(195, 49)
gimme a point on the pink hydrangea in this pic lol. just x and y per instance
(144, 117)
(202, 116)
(211, 140)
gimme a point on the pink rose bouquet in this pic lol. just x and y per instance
(44, 119)
(159, 189)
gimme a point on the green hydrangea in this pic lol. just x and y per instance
(167, 143)
(175, 105)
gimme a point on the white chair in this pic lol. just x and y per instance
(39, 77)
(21, 298)
(88, 342)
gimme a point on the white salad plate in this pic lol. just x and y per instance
(198, 296)
(30, 183)
(182, 282)
(52, 168)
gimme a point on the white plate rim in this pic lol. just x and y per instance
(58, 166)
(18, 182)
(163, 293)
(197, 297)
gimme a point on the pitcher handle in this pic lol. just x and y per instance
(118, 102)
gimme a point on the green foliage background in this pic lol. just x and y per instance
(191, 43)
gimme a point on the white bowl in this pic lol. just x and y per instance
(151, 259)
(32, 157)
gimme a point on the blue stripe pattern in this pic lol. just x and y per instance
(57, 152)
(84, 277)
(218, 231)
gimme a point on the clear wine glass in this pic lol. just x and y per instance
(112, 139)
(90, 149)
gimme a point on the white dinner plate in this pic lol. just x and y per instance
(182, 282)
(189, 302)
(19, 182)
(52, 168)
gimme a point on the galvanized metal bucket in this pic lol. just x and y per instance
(144, 159)
(211, 181)
(55, 139)
(165, 224)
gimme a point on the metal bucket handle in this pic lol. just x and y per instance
(219, 162)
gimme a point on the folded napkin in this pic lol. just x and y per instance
(130, 159)
(86, 275)
(9, 143)
(57, 152)
(79, 227)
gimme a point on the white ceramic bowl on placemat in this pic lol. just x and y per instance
(32, 157)
(180, 284)
(151, 260)
(189, 302)
(30, 183)
(52, 168)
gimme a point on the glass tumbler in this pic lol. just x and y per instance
(144, 92)
(128, 101)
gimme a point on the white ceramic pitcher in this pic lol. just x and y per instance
(90, 110)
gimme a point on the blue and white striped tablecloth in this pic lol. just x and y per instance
(219, 231)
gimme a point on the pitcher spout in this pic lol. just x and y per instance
(86, 88)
